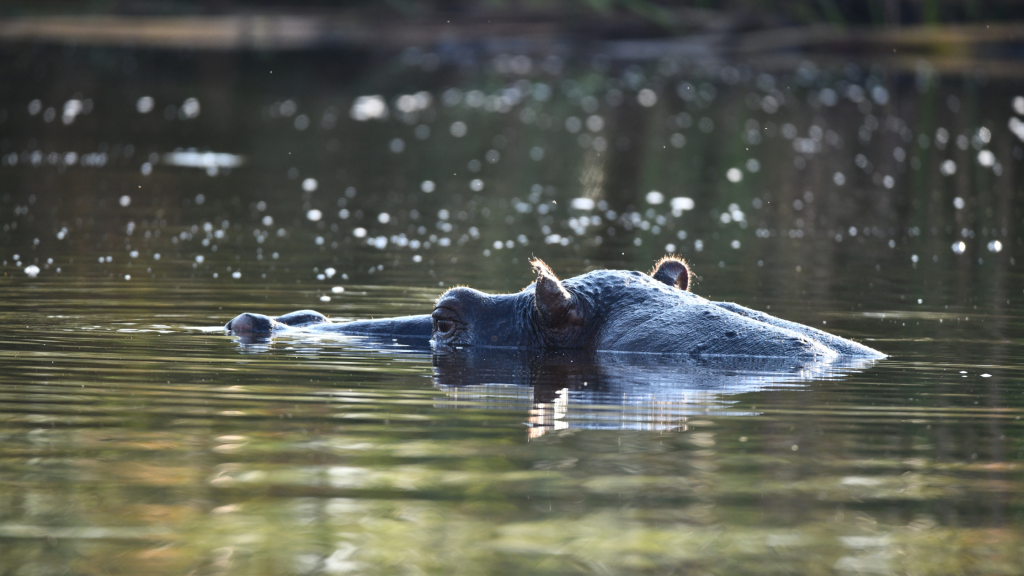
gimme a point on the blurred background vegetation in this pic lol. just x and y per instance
(643, 17)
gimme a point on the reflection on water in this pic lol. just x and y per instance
(614, 390)
(578, 389)
(150, 193)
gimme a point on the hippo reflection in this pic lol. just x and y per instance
(600, 311)
(618, 390)
(559, 389)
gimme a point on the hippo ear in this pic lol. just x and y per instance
(673, 272)
(555, 306)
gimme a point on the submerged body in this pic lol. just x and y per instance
(604, 310)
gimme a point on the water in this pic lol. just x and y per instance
(139, 438)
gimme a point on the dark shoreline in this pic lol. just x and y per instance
(994, 50)
(291, 31)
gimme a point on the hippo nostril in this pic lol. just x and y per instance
(247, 323)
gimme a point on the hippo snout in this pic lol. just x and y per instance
(247, 323)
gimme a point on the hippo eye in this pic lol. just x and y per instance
(445, 321)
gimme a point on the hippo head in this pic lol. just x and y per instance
(581, 312)
(603, 310)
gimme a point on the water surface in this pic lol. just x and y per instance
(876, 202)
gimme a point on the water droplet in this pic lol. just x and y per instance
(647, 98)
(582, 204)
(947, 168)
(145, 105)
(189, 109)
(368, 107)
(986, 158)
(458, 129)
(681, 204)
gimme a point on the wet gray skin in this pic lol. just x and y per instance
(256, 327)
(604, 310)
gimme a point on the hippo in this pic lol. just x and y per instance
(602, 310)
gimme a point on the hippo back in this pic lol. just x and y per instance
(637, 313)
